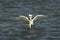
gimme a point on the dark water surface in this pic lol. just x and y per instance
(43, 29)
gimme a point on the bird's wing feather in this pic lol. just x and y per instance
(38, 16)
(23, 17)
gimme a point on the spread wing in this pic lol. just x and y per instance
(38, 16)
(22, 17)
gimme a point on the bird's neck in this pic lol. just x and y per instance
(30, 18)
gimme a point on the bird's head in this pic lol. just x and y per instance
(30, 15)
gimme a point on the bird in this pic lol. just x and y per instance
(30, 19)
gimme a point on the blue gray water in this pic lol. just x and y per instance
(43, 29)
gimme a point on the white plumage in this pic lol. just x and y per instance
(30, 19)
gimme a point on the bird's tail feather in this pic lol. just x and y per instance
(30, 25)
